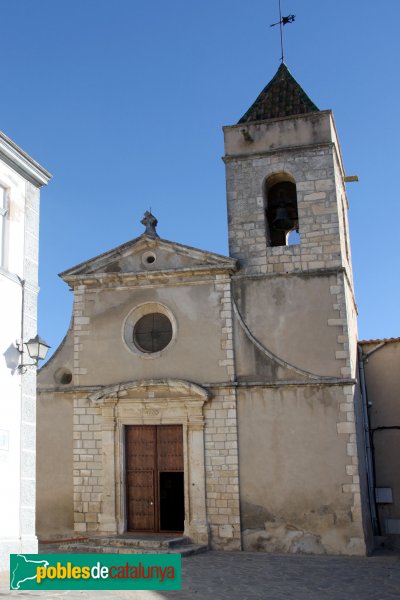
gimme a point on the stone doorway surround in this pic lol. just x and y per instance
(149, 402)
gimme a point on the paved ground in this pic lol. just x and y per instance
(250, 576)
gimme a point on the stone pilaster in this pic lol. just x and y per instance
(88, 467)
(222, 470)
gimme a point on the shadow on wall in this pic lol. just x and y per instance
(12, 357)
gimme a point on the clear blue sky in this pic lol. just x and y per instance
(124, 102)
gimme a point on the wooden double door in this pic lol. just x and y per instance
(154, 478)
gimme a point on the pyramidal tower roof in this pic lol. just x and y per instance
(282, 97)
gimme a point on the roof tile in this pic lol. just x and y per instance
(282, 97)
(380, 341)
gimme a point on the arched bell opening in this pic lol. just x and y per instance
(281, 210)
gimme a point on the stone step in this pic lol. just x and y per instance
(186, 549)
(139, 542)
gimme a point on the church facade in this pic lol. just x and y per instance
(212, 395)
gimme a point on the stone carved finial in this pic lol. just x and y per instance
(150, 222)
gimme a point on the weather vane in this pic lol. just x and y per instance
(282, 22)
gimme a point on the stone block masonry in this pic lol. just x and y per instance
(81, 325)
(346, 427)
(222, 470)
(223, 286)
(87, 465)
(321, 222)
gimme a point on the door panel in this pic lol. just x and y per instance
(170, 448)
(141, 447)
(152, 450)
(141, 507)
(140, 443)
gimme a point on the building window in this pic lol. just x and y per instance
(3, 216)
(153, 332)
(281, 211)
(149, 330)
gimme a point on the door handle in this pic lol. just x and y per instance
(151, 504)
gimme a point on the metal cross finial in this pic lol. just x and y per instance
(282, 22)
(150, 222)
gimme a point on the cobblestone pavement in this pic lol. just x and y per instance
(251, 576)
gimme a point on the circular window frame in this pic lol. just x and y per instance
(134, 316)
(149, 259)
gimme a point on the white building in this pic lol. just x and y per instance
(20, 181)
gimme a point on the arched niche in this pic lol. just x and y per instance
(281, 210)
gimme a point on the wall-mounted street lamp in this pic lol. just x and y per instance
(37, 350)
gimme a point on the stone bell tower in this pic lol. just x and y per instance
(284, 154)
(295, 332)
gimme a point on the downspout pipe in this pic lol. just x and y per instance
(367, 444)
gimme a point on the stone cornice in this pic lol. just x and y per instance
(22, 162)
(93, 390)
(114, 279)
(154, 389)
(308, 116)
(326, 272)
(284, 150)
(322, 382)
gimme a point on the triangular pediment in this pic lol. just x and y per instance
(147, 255)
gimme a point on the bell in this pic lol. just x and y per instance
(282, 220)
